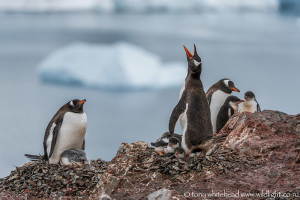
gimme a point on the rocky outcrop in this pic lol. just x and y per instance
(259, 159)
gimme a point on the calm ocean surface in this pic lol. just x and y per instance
(259, 52)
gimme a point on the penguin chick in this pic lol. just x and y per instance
(250, 105)
(173, 143)
(216, 96)
(167, 135)
(73, 156)
(160, 146)
(230, 106)
(179, 152)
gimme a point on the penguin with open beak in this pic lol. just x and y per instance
(192, 110)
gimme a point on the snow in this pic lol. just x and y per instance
(116, 66)
(138, 5)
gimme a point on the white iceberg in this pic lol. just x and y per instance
(138, 5)
(195, 5)
(117, 66)
(56, 5)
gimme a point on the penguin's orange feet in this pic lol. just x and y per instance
(160, 153)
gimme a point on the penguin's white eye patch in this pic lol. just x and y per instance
(196, 62)
(71, 103)
(226, 82)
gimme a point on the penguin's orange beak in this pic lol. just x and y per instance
(235, 89)
(188, 53)
(241, 101)
(82, 102)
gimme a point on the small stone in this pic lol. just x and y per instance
(162, 194)
(58, 178)
(236, 169)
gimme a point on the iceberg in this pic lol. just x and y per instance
(56, 5)
(141, 6)
(195, 5)
(117, 66)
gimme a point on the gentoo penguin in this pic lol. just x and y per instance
(66, 130)
(173, 143)
(192, 108)
(230, 106)
(161, 143)
(250, 104)
(160, 147)
(73, 156)
(216, 96)
(179, 152)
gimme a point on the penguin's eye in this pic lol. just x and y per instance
(196, 63)
(71, 104)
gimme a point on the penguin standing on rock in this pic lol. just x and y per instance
(250, 105)
(216, 96)
(192, 108)
(65, 131)
(230, 106)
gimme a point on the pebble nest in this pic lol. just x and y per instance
(39, 179)
(221, 160)
(42, 180)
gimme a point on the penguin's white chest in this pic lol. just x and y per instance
(217, 100)
(181, 90)
(249, 106)
(70, 135)
(184, 124)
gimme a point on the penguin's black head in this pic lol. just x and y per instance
(194, 61)
(173, 141)
(249, 96)
(228, 86)
(178, 151)
(234, 100)
(76, 105)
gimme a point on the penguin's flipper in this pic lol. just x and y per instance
(34, 157)
(208, 97)
(232, 112)
(58, 123)
(159, 144)
(83, 145)
(258, 108)
(178, 110)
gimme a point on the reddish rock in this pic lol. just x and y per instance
(258, 160)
